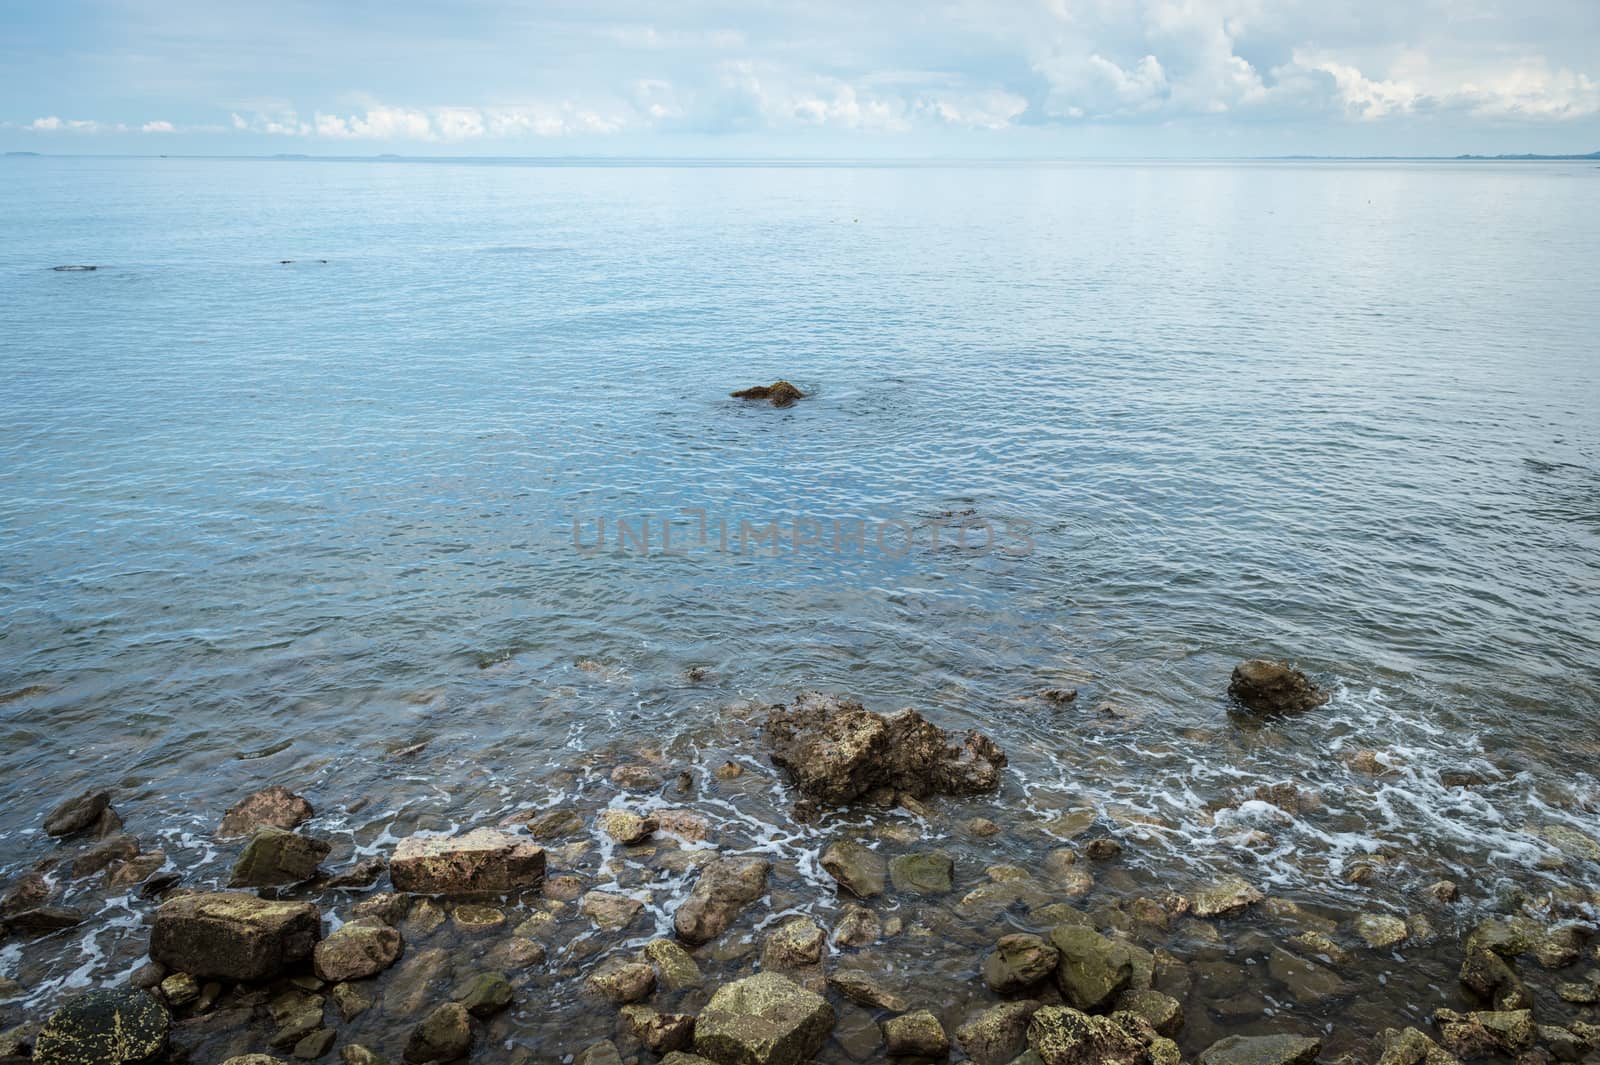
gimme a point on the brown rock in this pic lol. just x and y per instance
(779, 393)
(233, 936)
(359, 949)
(1266, 687)
(724, 887)
(274, 807)
(1019, 960)
(77, 814)
(482, 861)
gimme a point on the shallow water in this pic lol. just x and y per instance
(1340, 413)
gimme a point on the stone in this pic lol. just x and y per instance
(362, 874)
(1060, 1035)
(444, 1035)
(108, 1027)
(230, 935)
(864, 989)
(485, 994)
(255, 1059)
(604, 1053)
(1319, 945)
(135, 870)
(610, 910)
(180, 989)
(626, 827)
(661, 1032)
(931, 873)
(621, 982)
(724, 888)
(1266, 687)
(26, 893)
(274, 856)
(765, 1019)
(416, 982)
(1442, 891)
(1492, 977)
(484, 860)
(836, 751)
(1380, 931)
(685, 824)
(675, 967)
(779, 393)
(859, 870)
(115, 848)
(514, 953)
(474, 920)
(917, 1034)
(857, 927)
(349, 1001)
(77, 814)
(1224, 897)
(274, 807)
(998, 1034)
(1307, 982)
(1019, 960)
(1261, 1050)
(1486, 1033)
(554, 824)
(1164, 1012)
(1102, 849)
(387, 906)
(796, 943)
(43, 920)
(362, 948)
(1092, 970)
(315, 1044)
(1412, 1047)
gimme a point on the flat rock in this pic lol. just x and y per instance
(765, 1019)
(1261, 1050)
(362, 948)
(229, 935)
(724, 888)
(273, 807)
(484, 860)
(109, 1027)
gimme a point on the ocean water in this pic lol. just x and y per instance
(355, 476)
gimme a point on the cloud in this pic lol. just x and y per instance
(156, 127)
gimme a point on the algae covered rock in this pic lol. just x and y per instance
(859, 870)
(1092, 969)
(725, 887)
(765, 1019)
(112, 1027)
(362, 948)
(1267, 687)
(228, 935)
(1061, 1035)
(485, 994)
(274, 856)
(1261, 1050)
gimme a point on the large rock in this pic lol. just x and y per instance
(1273, 688)
(1261, 1050)
(274, 807)
(484, 860)
(725, 887)
(364, 947)
(1092, 969)
(1064, 1036)
(835, 751)
(1225, 897)
(675, 967)
(444, 1035)
(1486, 1033)
(274, 856)
(998, 1034)
(917, 1034)
(1019, 960)
(1410, 1046)
(119, 1027)
(765, 1019)
(859, 869)
(779, 393)
(77, 814)
(229, 935)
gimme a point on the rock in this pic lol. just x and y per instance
(43, 920)
(180, 989)
(274, 856)
(485, 994)
(1019, 960)
(1585, 994)
(362, 874)
(1491, 977)
(797, 943)
(27, 893)
(316, 1044)
(661, 1032)
(1261, 1050)
(622, 981)
(1064, 1036)
(932, 873)
(636, 777)
(609, 910)
(274, 807)
(386, 906)
(723, 888)
(917, 1034)
(836, 751)
(233, 936)
(1483, 1034)
(515, 953)
(77, 814)
(148, 975)
(362, 948)
(1224, 897)
(1318, 945)
(1380, 931)
(1164, 1012)
(685, 824)
(1412, 1047)
(998, 1034)
(1442, 891)
(116, 1027)
(859, 870)
(779, 393)
(416, 982)
(554, 824)
(349, 1001)
(863, 989)
(444, 1035)
(1266, 687)
(1102, 849)
(476, 920)
(856, 928)
(600, 1054)
(484, 860)
(765, 1019)
(675, 968)
(1092, 969)
(257, 1059)
(1307, 982)
(135, 870)
(627, 828)
(113, 849)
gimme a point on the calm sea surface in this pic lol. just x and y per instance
(267, 521)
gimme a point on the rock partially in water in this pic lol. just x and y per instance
(362, 948)
(229, 935)
(1164, 1012)
(265, 1059)
(118, 1027)
(795, 944)
(484, 861)
(275, 856)
(1485, 1033)
(42, 920)
(765, 1019)
(917, 1034)
(485, 994)
(1261, 1050)
(724, 888)
(620, 982)
(74, 269)
(1061, 1035)
(627, 827)
(836, 751)
(859, 869)
(1266, 687)
(1019, 961)
(554, 824)
(26, 893)
(1224, 897)
(77, 814)
(273, 807)
(1380, 931)
(930, 873)
(998, 1034)
(779, 393)
(114, 849)
(1092, 970)
(663, 1033)
(1413, 1047)
(675, 967)
(857, 927)
(444, 1035)
(609, 909)
(362, 874)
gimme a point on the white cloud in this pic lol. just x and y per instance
(156, 127)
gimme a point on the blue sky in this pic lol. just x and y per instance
(824, 78)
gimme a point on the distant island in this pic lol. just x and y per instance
(1591, 155)
(22, 153)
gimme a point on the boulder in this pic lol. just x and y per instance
(627, 827)
(724, 887)
(610, 910)
(620, 982)
(931, 873)
(998, 1034)
(1092, 969)
(779, 393)
(917, 1034)
(444, 1035)
(29, 890)
(1224, 897)
(1064, 1036)
(661, 1032)
(1019, 960)
(77, 814)
(229, 935)
(1266, 687)
(274, 807)
(484, 860)
(836, 751)
(1261, 1050)
(274, 856)
(765, 1019)
(362, 948)
(675, 967)
(859, 870)
(795, 944)
(114, 1027)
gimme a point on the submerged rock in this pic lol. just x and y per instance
(275, 856)
(1019, 960)
(362, 948)
(77, 814)
(765, 1019)
(274, 807)
(932, 873)
(444, 1035)
(484, 860)
(859, 870)
(485, 994)
(1266, 687)
(779, 393)
(118, 1027)
(229, 935)
(836, 751)
(610, 910)
(1261, 1050)
(725, 887)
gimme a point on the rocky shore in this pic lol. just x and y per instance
(659, 924)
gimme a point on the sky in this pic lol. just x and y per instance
(824, 78)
